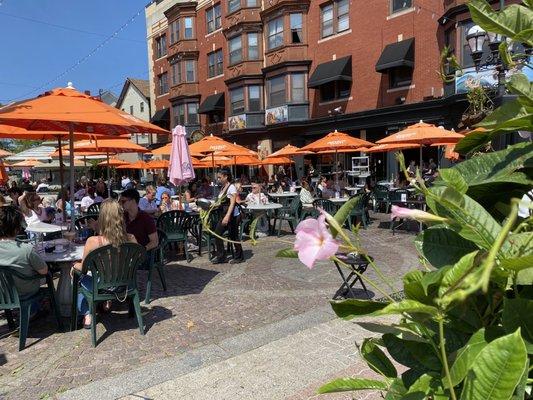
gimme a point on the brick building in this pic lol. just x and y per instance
(266, 73)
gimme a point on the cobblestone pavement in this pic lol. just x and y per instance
(204, 305)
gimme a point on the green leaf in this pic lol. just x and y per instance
(413, 288)
(509, 22)
(497, 371)
(344, 212)
(520, 391)
(287, 253)
(468, 218)
(519, 84)
(441, 246)
(466, 357)
(454, 179)
(456, 275)
(412, 354)
(473, 141)
(426, 387)
(351, 308)
(520, 255)
(377, 360)
(396, 391)
(351, 384)
(525, 276)
(518, 313)
(408, 306)
(510, 116)
(253, 228)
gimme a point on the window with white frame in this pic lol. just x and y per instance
(253, 46)
(190, 70)
(297, 87)
(335, 17)
(214, 18)
(189, 33)
(233, 5)
(400, 5)
(235, 50)
(296, 28)
(275, 33)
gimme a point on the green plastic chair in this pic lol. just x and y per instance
(290, 213)
(81, 222)
(10, 300)
(94, 208)
(175, 224)
(327, 205)
(111, 268)
(156, 260)
(381, 197)
(359, 211)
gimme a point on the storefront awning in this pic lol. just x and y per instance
(212, 104)
(400, 54)
(161, 116)
(337, 70)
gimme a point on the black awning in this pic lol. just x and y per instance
(400, 54)
(212, 104)
(338, 70)
(161, 116)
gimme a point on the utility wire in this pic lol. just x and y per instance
(83, 59)
(68, 28)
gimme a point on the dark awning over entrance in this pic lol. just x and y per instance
(401, 54)
(212, 104)
(338, 70)
(161, 116)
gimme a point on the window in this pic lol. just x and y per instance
(275, 33)
(335, 17)
(253, 46)
(176, 74)
(190, 71)
(215, 64)
(163, 83)
(235, 50)
(237, 101)
(399, 5)
(276, 91)
(131, 110)
(343, 15)
(174, 31)
(297, 87)
(192, 113)
(233, 5)
(178, 110)
(336, 90)
(188, 28)
(252, 3)
(141, 106)
(400, 77)
(214, 19)
(254, 98)
(161, 46)
(327, 20)
(296, 28)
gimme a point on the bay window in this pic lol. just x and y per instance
(237, 101)
(235, 50)
(276, 91)
(275, 33)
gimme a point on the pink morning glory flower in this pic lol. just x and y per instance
(314, 241)
(410, 213)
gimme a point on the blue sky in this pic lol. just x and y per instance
(34, 53)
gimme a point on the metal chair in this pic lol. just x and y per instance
(175, 224)
(325, 204)
(10, 300)
(114, 274)
(94, 208)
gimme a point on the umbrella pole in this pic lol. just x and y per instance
(108, 176)
(62, 179)
(71, 158)
(420, 165)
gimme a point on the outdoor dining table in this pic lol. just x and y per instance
(262, 209)
(43, 227)
(284, 197)
(62, 262)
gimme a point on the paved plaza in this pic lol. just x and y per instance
(262, 329)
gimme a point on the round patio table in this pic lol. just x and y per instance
(339, 200)
(62, 261)
(284, 197)
(43, 227)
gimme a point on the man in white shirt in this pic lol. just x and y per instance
(125, 182)
(87, 200)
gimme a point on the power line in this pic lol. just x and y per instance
(68, 28)
(84, 58)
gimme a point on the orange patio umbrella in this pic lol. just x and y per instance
(390, 147)
(67, 110)
(112, 162)
(136, 165)
(30, 163)
(196, 163)
(422, 134)
(211, 144)
(216, 160)
(165, 151)
(276, 161)
(288, 151)
(157, 164)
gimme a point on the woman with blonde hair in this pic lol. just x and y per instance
(111, 231)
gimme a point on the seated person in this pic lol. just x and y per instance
(162, 188)
(148, 203)
(139, 223)
(43, 186)
(306, 195)
(88, 199)
(191, 192)
(112, 230)
(20, 257)
(167, 204)
(256, 196)
(33, 210)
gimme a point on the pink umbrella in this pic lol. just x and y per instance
(180, 169)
